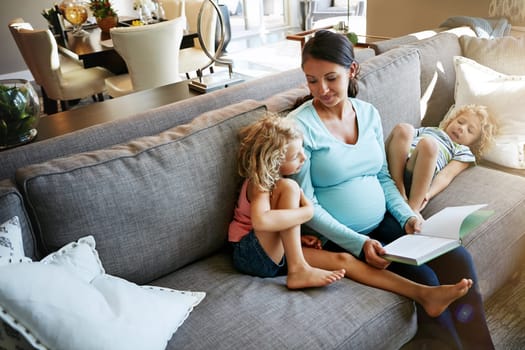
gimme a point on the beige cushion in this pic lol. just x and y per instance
(504, 95)
(505, 55)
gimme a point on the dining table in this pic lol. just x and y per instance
(95, 48)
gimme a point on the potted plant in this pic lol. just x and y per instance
(104, 13)
(19, 112)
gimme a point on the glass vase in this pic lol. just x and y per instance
(19, 112)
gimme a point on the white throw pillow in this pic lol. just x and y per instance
(504, 95)
(505, 55)
(67, 301)
(11, 246)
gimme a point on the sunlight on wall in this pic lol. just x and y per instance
(427, 94)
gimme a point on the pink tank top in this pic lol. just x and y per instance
(241, 224)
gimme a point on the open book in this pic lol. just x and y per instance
(439, 234)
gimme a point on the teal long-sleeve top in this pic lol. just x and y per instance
(349, 185)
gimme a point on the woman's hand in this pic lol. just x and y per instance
(311, 241)
(373, 251)
(413, 224)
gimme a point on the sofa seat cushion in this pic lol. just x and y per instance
(502, 234)
(245, 312)
(128, 196)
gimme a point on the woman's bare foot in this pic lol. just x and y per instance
(435, 300)
(312, 277)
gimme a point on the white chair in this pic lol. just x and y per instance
(194, 58)
(151, 53)
(59, 81)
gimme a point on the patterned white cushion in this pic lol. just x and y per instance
(11, 246)
(504, 95)
(67, 301)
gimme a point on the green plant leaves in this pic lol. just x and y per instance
(18, 113)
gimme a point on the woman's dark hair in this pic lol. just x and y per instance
(332, 47)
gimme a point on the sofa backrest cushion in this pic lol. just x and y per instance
(11, 204)
(391, 83)
(147, 123)
(437, 75)
(505, 54)
(153, 204)
(381, 79)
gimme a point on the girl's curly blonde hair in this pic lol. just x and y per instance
(489, 126)
(262, 150)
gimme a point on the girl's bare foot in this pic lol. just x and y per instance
(312, 277)
(435, 300)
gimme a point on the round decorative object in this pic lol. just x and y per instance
(106, 23)
(76, 13)
(19, 112)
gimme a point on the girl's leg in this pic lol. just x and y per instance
(286, 195)
(397, 149)
(422, 165)
(468, 312)
(433, 299)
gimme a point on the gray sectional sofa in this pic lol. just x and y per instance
(157, 192)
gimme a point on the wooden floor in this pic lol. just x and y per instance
(506, 317)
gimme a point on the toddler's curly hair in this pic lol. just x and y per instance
(262, 149)
(488, 123)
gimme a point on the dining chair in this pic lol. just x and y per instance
(194, 58)
(66, 63)
(60, 79)
(151, 53)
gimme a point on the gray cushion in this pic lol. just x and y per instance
(148, 123)
(382, 46)
(128, 196)
(391, 83)
(438, 76)
(11, 204)
(246, 312)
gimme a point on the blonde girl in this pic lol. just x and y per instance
(265, 232)
(427, 159)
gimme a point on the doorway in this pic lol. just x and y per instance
(259, 17)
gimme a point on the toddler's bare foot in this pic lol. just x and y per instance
(312, 277)
(436, 299)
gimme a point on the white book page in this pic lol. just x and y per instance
(415, 246)
(447, 222)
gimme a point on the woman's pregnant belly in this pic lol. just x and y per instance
(359, 204)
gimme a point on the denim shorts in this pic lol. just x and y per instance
(250, 258)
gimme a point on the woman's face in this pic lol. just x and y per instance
(328, 81)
